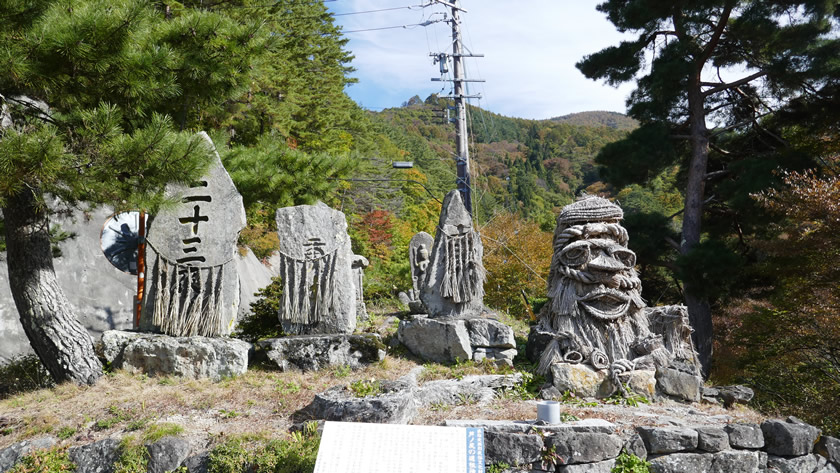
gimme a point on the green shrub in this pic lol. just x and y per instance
(296, 454)
(228, 457)
(133, 456)
(627, 463)
(53, 460)
(23, 373)
(365, 388)
(263, 321)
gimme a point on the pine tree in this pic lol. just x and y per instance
(89, 90)
(682, 47)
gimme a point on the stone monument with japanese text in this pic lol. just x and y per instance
(192, 285)
(319, 293)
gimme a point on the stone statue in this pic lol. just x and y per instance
(419, 249)
(595, 315)
(454, 280)
(319, 293)
(193, 286)
(358, 266)
(456, 326)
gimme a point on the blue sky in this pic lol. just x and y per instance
(530, 48)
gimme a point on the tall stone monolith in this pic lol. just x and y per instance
(192, 284)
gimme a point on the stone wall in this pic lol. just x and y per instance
(779, 446)
(590, 446)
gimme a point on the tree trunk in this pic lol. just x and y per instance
(698, 307)
(61, 342)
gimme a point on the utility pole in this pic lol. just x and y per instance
(462, 158)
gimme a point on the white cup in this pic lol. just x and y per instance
(548, 411)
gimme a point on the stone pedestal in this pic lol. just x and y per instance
(188, 357)
(447, 340)
(585, 381)
(315, 352)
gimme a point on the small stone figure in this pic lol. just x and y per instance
(595, 315)
(358, 266)
(193, 286)
(419, 256)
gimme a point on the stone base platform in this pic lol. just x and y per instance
(585, 381)
(188, 357)
(315, 352)
(447, 340)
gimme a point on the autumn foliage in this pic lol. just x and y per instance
(517, 256)
(788, 339)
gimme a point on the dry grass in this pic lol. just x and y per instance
(258, 401)
(262, 403)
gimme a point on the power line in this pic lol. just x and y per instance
(425, 23)
(407, 7)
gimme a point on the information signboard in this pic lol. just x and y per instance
(352, 447)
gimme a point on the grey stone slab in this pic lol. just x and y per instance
(394, 405)
(167, 454)
(685, 386)
(745, 435)
(315, 352)
(605, 466)
(735, 394)
(660, 440)
(490, 333)
(511, 448)
(800, 464)
(712, 438)
(96, 457)
(730, 461)
(439, 340)
(636, 446)
(829, 447)
(582, 447)
(681, 463)
(479, 389)
(584, 425)
(315, 253)
(787, 438)
(12, 454)
(189, 357)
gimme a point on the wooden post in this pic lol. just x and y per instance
(141, 268)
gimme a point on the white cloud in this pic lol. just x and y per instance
(530, 50)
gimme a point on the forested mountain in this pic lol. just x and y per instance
(615, 120)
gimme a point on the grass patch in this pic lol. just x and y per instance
(133, 456)
(366, 387)
(66, 432)
(156, 432)
(52, 460)
(295, 454)
(433, 371)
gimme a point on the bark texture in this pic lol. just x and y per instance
(699, 312)
(59, 340)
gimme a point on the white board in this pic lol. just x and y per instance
(352, 447)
